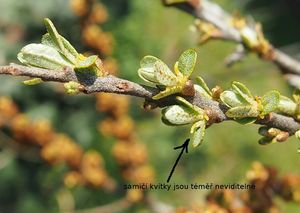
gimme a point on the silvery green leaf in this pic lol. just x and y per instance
(286, 106)
(58, 41)
(243, 91)
(40, 55)
(53, 33)
(270, 102)
(164, 75)
(178, 115)
(198, 131)
(242, 112)
(190, 107)
(33, 81)
(232, 99)
(47, 40)
(187, 62)
(146, 72)
(203, 85)
(201, 91)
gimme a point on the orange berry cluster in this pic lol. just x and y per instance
(268, 187)
(55, 148)
(91, 172)
(129, 153)
(92, 13)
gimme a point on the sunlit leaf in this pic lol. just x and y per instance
(270, 102)
(87, 63)
(192, 108)
(187, 62)
(232, 99)
(167, 91)
(242, 112)
(243, 91)
(178, 115)
(286, 106)
(58, 41)
(47, 40)
(146, 72)
(203, 85)
(198, 131)
(164, 75)
(40, 55)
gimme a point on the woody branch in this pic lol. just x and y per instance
(111, 84)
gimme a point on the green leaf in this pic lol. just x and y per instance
(203, 85)
(58, 41)
(242, 112)
(33, 81)
(270, 102)
(201, 91)
(243, 91)
(188, 105)
(198, 131)
(286, 106)
(178, 115)
(47, 40)
(192, 108)
(56, 38)
(164, 75)
(146, 72)
(187, 62)
(167, 91)
(42, 56)
(232, 99)
(148, 62)
(87, 63)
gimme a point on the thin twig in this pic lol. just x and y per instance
(214, 14)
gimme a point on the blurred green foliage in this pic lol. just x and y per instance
(141, 28)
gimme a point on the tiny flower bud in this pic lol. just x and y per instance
(216, 92)
(188, 89)
(282, 136)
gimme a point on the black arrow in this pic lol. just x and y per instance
(183, 147)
